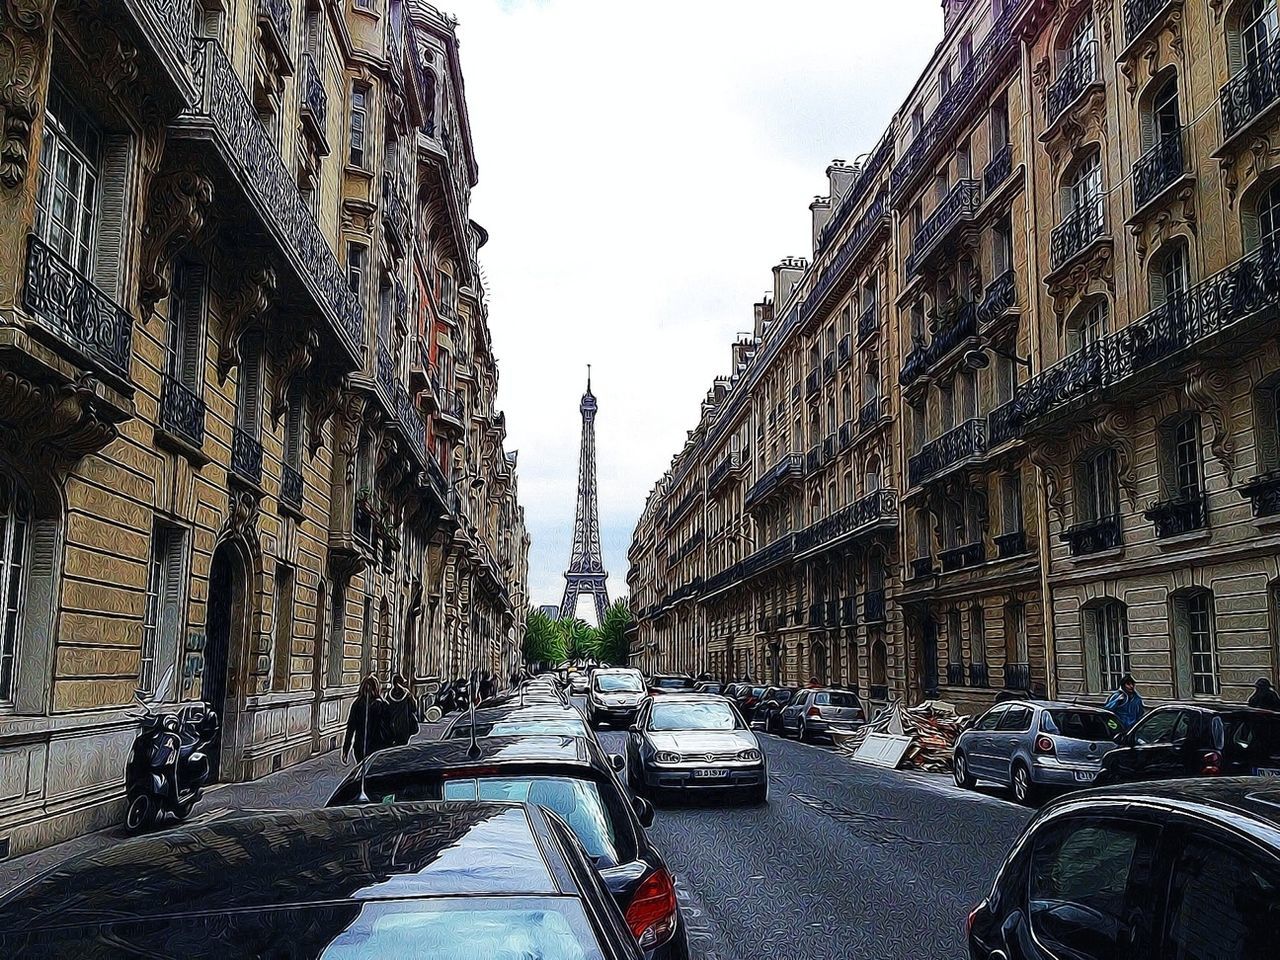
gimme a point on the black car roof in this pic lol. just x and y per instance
(1220, 706)
(442, 754)
(299, 858)
(1257, 798)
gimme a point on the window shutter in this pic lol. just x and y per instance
(172, 621)
(112, 214)
(251, 384)
(191, 349)
(33, 664)
(293, 426)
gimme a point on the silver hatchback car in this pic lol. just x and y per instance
(1033, 745)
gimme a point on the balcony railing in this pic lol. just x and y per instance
(868, 322)
(869, 414)
(967, 440)
(968, 555)
(68, 304)
(999, 298)
(722, 471)
(315, 101)
(255, 160)
(246, 457)
(881, 154)
(813, 459)
(958, 325)
(1216, 303)
(1174, 517)
(1250, 92)
(1091, 536)
(875, 217)
(1139, 13)
(955, 674)
(873, 606)
(960, 205)
(1017, 676)
(1076, 231)
(182, 411)
(1157, 169)
(979, 675)
(998, 169)
(845, 349)
(786, 470)
(1263, 492)
(857, 517)
(1076, 76)
(1011, 544)
(175, 20)
(829, 367)
(846, 435)
(291, 486)
(812, 383)
(275, 16)
(829, 448)
(395, 209)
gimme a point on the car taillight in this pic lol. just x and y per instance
(973, 915)
(1210, 763)
(652, 912)
(750, 702)
(1044, 744)
(813, 712)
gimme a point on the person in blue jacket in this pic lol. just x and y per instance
(1126, 703)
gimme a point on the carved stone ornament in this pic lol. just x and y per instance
(113, 60)
(1067, 288)
(1244, 164)
(24, 49)
(247, 309)
(1161, 222)
(324, 404)
(294, 360)
(1217, 6)
(50, 428)
(1084, 122)
(176, 209)
(241, 522)
(1209, 388)
(1115, 428)
(351, 414)
(1102, 13)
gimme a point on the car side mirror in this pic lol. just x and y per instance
(616, 761)
(644, 811)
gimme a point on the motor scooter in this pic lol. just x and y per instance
(168, 766)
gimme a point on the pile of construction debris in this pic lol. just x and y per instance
(918, 738)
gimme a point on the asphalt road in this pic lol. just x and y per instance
(846, 861)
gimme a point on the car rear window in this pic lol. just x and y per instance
(1253, 733)
(836, 699)
(1080, 724)
(528, 728)
(672, 683)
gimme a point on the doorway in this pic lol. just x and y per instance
(224, 634)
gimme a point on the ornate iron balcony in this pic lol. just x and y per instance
(955, 674)
(812, 383)
(998, 169)
(868, 322)
(1173, 517)
(829, 448)
(846, 435)
(876, 216)
(1249, 92)
(845, 349)
(722, 471)
(69, 305)
(1263, 491)
(960, 206)
(967, 440)
(881, 154)
(968, 555)
(254, 159)
(395, 210)
(182, 411)
(817, 612)
(1092, 536)
(858, 517)
(1011, 544)
(1156, 169)
(873, 606)
(682, 506)
(869, 414)
(957, 325)
(1076, 231)
(291, 487)
(175, 20)
(787, 470)
(246, 457)
(1017, 676)
(829, 367)
(315, 101)
(274, 16)
(999, 297)
(1139, 13)
(813, 459)
(1076, 76)
(978, 674)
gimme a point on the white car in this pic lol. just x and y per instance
(614, 696)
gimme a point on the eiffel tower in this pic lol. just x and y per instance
(586, 574)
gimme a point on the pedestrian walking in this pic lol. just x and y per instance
(1264, 695)
(365, 721)
(401, 714)
(488, 689)
(1126, 703)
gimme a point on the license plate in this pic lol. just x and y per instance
(1267, 772)
(1086, 775)
(711, 773)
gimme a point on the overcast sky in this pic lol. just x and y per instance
(642, 167)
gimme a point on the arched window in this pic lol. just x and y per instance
(1162, 117)
(1255, 34)
(1195, 652)
(1170, 274)
(1265, 224)
(1082, 188)
(1079, 41)
(879, 667)
(1089, 324)
(15, 521)
(1106, 644)
(872, 476)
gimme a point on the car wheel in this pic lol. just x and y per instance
(758, 796)
(141, 814)
(1024, 791)
(960, 770)
(802, 732)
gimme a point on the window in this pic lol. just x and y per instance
(944, 79)
(1081, 875)
(1084, 189)
(1100, 496)
(1183, 458)
(1195, 645)
(968, 383)
(359, 124)
(1163, 726)
(366, 640)
(337, 635)
(70, 165)
(879, 664)
(947, 405)
(355, 268)
(186, 325)
(282, 646)
(1015, 720)
(249, 389)
(1015, 619)
(964, 161)
(917, 121)
(1006, 376)
(917, 322)
(1081, 41)
(977, 635)
(15, 521)
(163, 621)
(1109, 623)
(1164, 120)
(1170, 275)
(999, 125)
(1002, 246)
(871, 380)
(966, 50)
(1257, 31)
(1089, 325)
(1267, 213)
(991, 718)
(1011, 502)
(955, 643)
(1224, 903)
(872, 478)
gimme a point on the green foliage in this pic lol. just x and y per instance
(551, 641)
(612, 645)
(542, 639)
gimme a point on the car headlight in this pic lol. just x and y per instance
(749, 756)
(666, 756)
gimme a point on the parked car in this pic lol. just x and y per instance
(1186, 869)
(695, 742)
(1032, 745)
(577, 683)
(709, 686)
(573, 778)
(670, 683)
(768, 712)
(614, 696)
(516, 721)
(813, 712)
(451, 881)
(748, 698)
(1195, 740)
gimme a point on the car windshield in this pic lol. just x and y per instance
(693, 716)
(526, 728)
(1080, 724)
(618, 683)
(577, 802)
(837, 699)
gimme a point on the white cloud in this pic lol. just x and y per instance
(643, 165)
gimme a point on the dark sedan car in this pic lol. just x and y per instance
(450, 881)
(515, 721)
(1175, 871)
(1196, 740)
(670, 683)
(572, 777)
(768, 712)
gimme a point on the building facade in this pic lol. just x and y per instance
(248, 445)
(1013, 423)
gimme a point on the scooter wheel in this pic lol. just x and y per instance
(141, 814)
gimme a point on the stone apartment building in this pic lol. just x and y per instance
(1013, 424)
(248, 445)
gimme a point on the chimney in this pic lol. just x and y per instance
(763, 317)
(821, 211)
(785, 277)
(840, 176)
